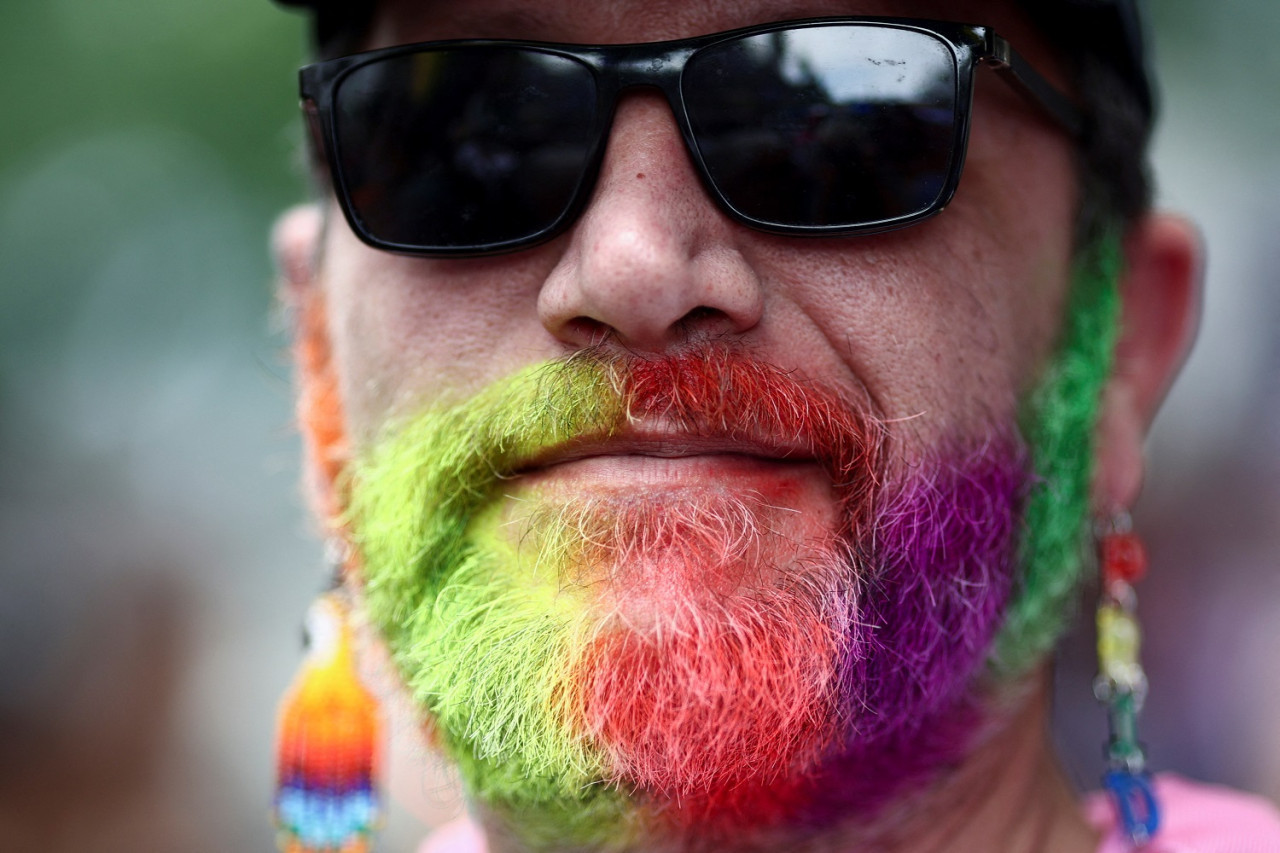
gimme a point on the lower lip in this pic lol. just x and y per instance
(775, 478)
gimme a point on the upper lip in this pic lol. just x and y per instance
(650, 440)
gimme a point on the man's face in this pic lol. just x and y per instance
(890, 371)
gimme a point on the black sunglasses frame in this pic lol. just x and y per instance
(660, 65)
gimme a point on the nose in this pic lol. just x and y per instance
(652, 264)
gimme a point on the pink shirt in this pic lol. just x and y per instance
(1195, 818)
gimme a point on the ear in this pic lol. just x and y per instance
(1160, 292)
(296, 242)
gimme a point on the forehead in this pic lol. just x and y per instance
(601, 21)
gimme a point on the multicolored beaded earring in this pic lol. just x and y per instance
(330, 730)
(1121, 684)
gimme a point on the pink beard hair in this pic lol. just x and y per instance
(717, 661)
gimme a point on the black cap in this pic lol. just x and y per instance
(336, 25)
(1111, 29)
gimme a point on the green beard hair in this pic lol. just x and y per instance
(480, 632)
(1058, 421)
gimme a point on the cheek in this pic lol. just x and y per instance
(1021, 187)
(408, 329)
(948, 322)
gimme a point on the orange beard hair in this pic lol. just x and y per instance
(320, 411)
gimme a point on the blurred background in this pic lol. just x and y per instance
(155, 553)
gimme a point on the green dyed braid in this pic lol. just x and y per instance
(1058, 421)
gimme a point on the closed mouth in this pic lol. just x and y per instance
(660, 444)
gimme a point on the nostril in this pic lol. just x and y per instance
(702, 312)
(585, 331)
(703, 320)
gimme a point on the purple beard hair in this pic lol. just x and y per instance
(939, 571)
(944, 560)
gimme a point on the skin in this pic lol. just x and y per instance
(943, 325)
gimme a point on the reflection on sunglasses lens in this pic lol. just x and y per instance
(826, 125)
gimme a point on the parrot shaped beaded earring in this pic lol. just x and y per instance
(327, 798)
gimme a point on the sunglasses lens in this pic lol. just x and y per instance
(465, 148)
(826, 126)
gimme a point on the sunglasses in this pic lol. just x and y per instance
(832, 126)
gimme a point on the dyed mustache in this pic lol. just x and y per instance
(717, 392)
(717, 400)
(597, 398)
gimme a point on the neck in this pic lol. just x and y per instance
(1008, 796)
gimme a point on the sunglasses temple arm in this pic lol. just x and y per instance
(1010, 65)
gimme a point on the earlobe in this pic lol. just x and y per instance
(1160, 293)
(295, 243)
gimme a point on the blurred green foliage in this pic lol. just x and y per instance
(223, 71)
(127, 116)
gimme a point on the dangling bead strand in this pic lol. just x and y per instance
(1121, 684)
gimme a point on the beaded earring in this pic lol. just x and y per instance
(1121, 684)
(327, 798)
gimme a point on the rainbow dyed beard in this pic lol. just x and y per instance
(684, 665)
